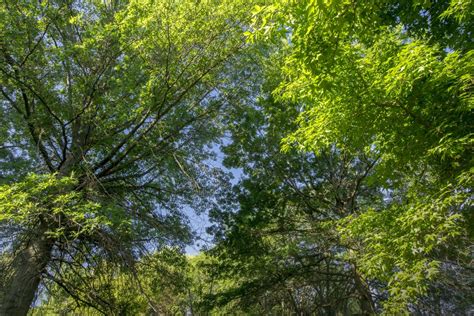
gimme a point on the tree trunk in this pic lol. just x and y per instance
(365, 298)
(25, 273)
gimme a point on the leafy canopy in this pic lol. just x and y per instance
(394, 80)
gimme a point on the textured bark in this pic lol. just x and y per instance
(25, 274)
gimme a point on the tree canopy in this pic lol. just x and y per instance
(392, 80)
(106, 108)
(349, 124)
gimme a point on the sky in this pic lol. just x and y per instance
(200, 222)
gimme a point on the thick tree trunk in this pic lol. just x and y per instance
(24, 274)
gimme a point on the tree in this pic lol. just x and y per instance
(168, 281)
(279, 243)
(392, 79)
(156, 284)
(105, 110)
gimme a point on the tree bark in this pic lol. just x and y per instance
(365, 298)
(25, 273)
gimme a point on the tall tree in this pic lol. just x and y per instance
(392, 79)
(280, 244)
(105, 107)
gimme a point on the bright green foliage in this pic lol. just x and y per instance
(48, 198)
(204, 284)
(392, 79)
(154, 285)
(397, 244)
(357, 168)
(165, 282)
(111, 105)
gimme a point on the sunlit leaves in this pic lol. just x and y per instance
(50, 198)
(393, 79)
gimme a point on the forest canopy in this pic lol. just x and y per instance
(346, 125)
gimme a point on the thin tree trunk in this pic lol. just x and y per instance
(25, 273)
(365, 298)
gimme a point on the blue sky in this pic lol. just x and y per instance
(200, 222)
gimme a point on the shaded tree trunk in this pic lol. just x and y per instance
(365, 298)
(24, 274)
